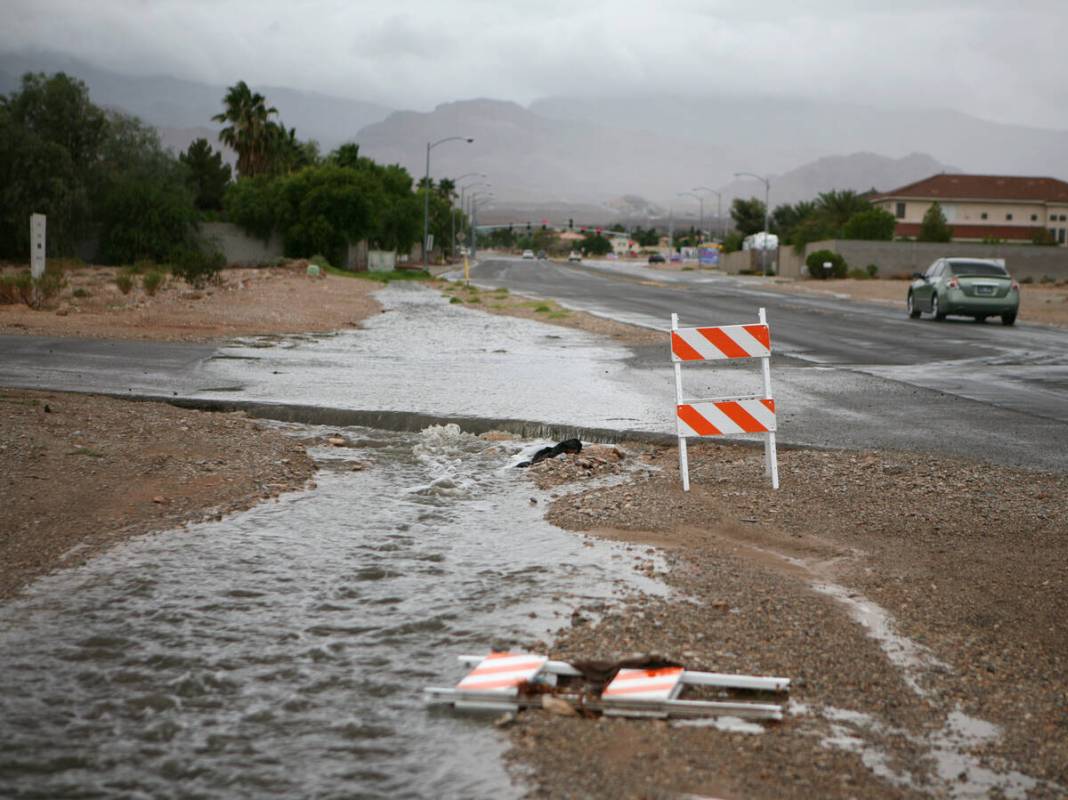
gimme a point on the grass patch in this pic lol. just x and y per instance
(558, 314)
(19, 401)
(542, 309)
(501, 290)
(455, 300)
(474, 299)
(381, 277)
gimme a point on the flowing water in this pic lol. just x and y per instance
(282, 652)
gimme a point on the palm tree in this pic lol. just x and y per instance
(447, 188)
(249, 130)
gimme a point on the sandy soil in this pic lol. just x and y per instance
(243, 302)
(970, 560)
(83, 472)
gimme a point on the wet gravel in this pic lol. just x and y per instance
(970, 561)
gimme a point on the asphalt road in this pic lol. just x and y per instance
(861, 374)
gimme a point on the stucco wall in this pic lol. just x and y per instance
(238, 247)
(897, 257)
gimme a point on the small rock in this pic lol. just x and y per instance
(505, 720)
(159, 499)
(554, 705)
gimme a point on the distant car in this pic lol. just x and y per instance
(656, 258)
(542, 256)
(573, 256)
(969, 287)
(528, 254)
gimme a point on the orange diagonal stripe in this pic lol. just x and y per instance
(683, 350)
(659, 686)
(742, 418)
(700, 425)
(760, 333)
(484, 685)
(769, 404)
(724, 343)
(491, 669)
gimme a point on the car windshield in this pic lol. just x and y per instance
(977, 268)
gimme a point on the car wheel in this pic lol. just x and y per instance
(1008, 319)
(936, 309)
(914, 313)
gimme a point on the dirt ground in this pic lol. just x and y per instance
(83, 472)
(970, 561)
(242, 302)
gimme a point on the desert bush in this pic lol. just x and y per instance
(22, 287)
(81, 293)
(196, 267)
(9, 293)
(152, 280)
(873, 270)
(125, 281)
(1048, 279)
(815, 261)
(858, 274)
(1027, 279)
(319, 260)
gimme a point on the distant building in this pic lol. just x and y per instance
(980, 207)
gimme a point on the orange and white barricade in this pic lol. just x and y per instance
(724, 416)
(503, 681)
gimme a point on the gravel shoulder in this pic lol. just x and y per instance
(82, 473)
(241, 302)
(969, 562)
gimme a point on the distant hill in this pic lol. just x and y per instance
(859, 172)
(173, 103)
(775, 134)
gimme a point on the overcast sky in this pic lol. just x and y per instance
(1004, 61)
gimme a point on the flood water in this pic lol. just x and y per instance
(282, 652)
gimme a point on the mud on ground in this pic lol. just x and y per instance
(969, 560)
(241, 302)
(83, 472)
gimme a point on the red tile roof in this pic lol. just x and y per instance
(949, 186)
(1015, 232)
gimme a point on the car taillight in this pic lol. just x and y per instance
(953, 283)
(1015, 286)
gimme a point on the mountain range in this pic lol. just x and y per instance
(591, 152)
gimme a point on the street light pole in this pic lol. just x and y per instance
(767, 217)
(719, 208)
(426, 193)
(452, 214)
(701, 221)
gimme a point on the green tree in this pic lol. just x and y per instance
(254, 204)
(322, 209)
(594, 244)
(934, 227)
(208, 175)
(50, 136)
(835, 207)
(748, 215)
(248, 129)
(875, 224)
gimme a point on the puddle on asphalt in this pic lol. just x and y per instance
(283, 651)
(445, 360)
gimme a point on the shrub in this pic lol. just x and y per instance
(542, 309)
(858, 274)
(1048, 279)
(152, 280)
(81, 293)
(815, 261)
(9, 293)
(1027, 279)
(195, 266)
(873, 270)
(125, 281)
(319, 260)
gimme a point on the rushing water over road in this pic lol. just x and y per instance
(282, 652)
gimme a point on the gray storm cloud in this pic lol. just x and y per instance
(998, 61)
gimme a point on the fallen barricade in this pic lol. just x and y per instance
(646, 688)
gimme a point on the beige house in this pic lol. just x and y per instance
(980, 207)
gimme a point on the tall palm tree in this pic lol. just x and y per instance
(248, 131)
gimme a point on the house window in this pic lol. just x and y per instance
(1008, 217)
(1064, 218)
(1060, 235)
(1034, 217)
(899, 211)
(983, 215)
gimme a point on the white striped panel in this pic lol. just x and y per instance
(635, 684)
(502, 673)
(743, 338)
(727, 426)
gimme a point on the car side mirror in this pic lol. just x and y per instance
(918, 276)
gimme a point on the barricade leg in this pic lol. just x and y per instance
(684, 465)
(771, 458)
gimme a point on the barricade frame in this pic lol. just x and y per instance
(771, 461)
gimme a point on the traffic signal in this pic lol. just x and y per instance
(509, 227)
(570, 224)
(528, 227)
(543, 227)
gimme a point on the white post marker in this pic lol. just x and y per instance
(724, 416)
(37, 245)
